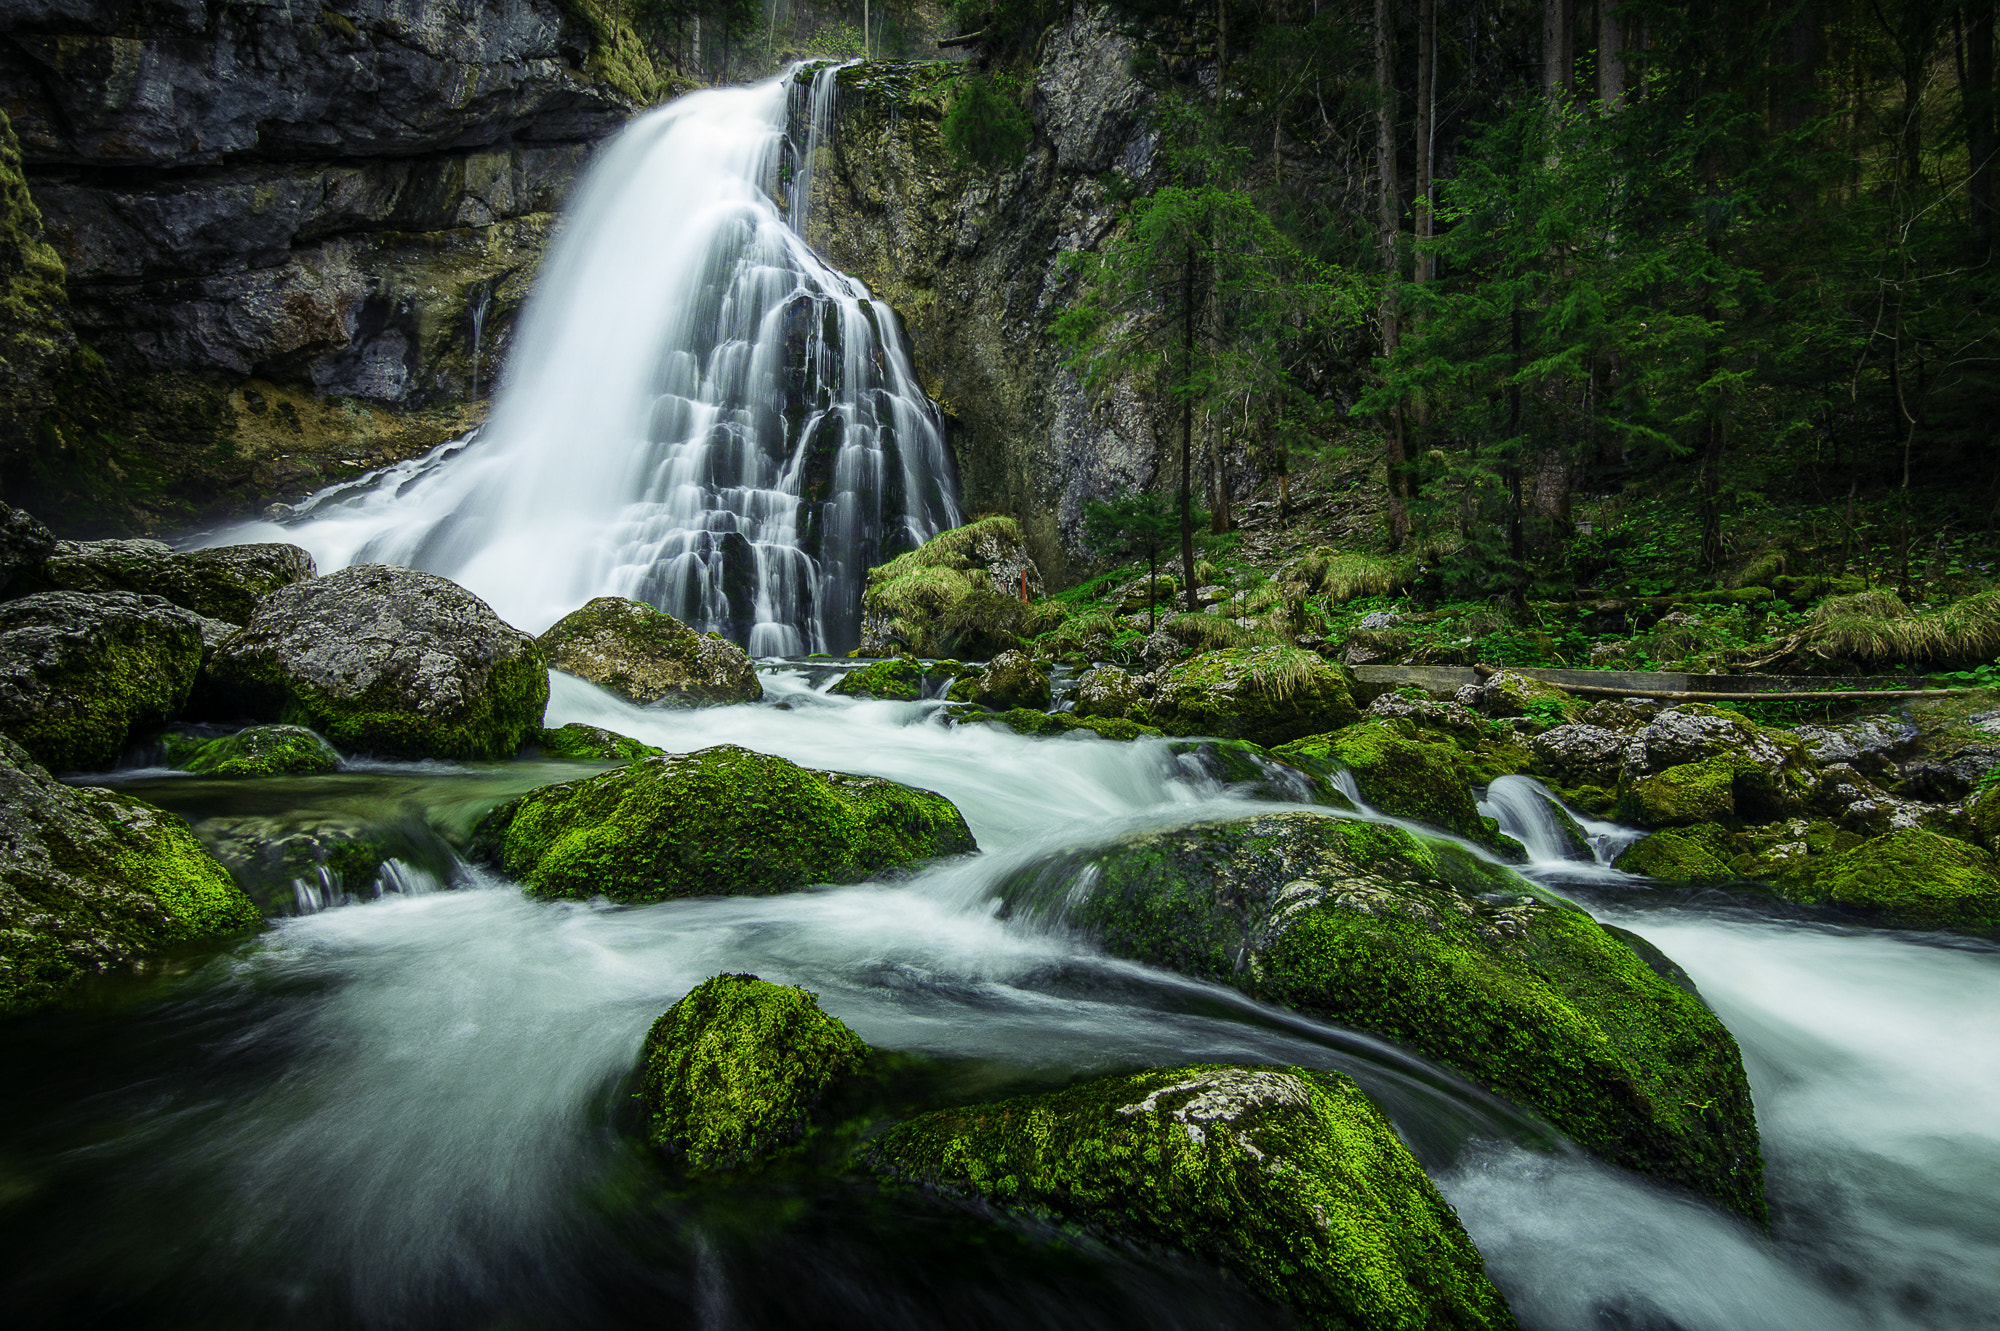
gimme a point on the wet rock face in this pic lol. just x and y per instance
(386, 660)
(92, 881)
(81, 673)
(24, 544)
(646, 656)
(1420, 942)
(1288, 1178)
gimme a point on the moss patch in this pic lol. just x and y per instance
(723, 821)
(959, 592)
(1027, 721)
(1422, 943)
(1698, 854)
(580, 743)
(733, 1072)
(1910, 878)
(1268, 695)
(1290, 1179)
(647, 656)
(259, 751)
(1401, 773)
(898, 679)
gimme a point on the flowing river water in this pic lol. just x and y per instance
(416, 1110)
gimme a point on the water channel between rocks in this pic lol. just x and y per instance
(417, 1110)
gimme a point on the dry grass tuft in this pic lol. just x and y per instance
(1203, 632)
(1876, 626)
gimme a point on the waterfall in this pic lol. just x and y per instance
(698, 411)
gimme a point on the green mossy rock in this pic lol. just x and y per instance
(959, 593)
(1703, 792)
(1403, 774)
(257, 751)
(897, 679)
(92, 882)
(82, 672)
(225, 582)
(719, 822)
(1289, 1179)
(1698, 854)
(1027, 721)
(1509, 693)
(1268, 695)
(1423, 943)
(647, 656)
(733, 1072)
(1107, 691)
(1908, 879)
(388, 661)
(1011, 680)
(1982, 811)
(580, 743)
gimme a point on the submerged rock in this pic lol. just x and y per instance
(225, 582)
(1011, 680)
(723, 821)
(733, 1073)
(646, 656)
(577, 742)
(1288, 1178)
(92, 881)
(81, 672)
(1028, 721)
(256, 751)
(385, 660)
(1422, 943)
(1267, 695)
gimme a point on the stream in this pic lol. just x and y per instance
(417, 1110)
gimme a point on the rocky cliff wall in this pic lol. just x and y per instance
(295, 234)
(975, 263)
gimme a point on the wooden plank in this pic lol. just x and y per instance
(1658, 684)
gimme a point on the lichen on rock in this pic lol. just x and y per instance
(647, 656)
(1421, 942)
(1288, 1178)
(722, 821)
(385, 660)
(1267, 695)
(1107, 691)
(733, 1072)
(92, 882)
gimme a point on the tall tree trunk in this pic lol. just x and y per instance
(1187, 428)
(1511, 469)
(1979, 114)
(1388, 217)
(1555, 47)
(1610, 56)
(1426, 76)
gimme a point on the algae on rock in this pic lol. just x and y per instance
(92, 882)
(1421, 942)
(1290, 1179)
(733, 1072)
(646, 656)
(722, 821)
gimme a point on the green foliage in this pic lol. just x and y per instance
(987, 126)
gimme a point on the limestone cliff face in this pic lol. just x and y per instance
(295, 232)
(974, 261)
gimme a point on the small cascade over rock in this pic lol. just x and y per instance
(699, 413)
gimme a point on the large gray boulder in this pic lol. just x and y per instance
(80, 672)
(645, 656)
(223, 583)
(388, 661)
(92, 881)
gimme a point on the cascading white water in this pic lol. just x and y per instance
(698, 412)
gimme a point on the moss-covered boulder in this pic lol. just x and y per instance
(388, 661)
(224, 582)
(723, 821)
(960, 593)
(1704, 764)
(646, 656)
(1421, 942)
(1106, 691)
(1982, 811)
(896, 679)
(580, 743)
(1908, 879)
(1011, 680)
(81, 673)
(733, 1073)
(255, 751)
(1289, 1179)
(1028, 721)
(1697, 854)
(1508, 693)
(1403, 773)
(1268, 695)
(92, 882)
